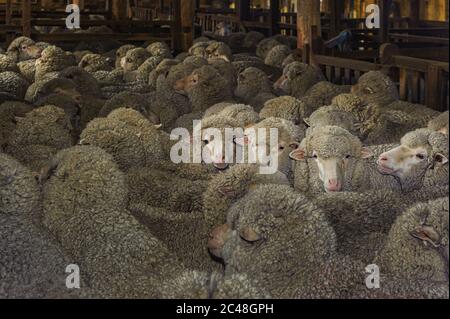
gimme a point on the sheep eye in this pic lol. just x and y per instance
(420, 156)
(128, 60)
(368, 90)
(206, 142)
(315, 156)
(281, 148)
(348, 156)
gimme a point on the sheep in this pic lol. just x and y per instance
(226, 69)
(289, 236)
(8, 113)
(417, 246)
(199, 49)
(244, 114)
(32, 262)
(252, 39)
(122, 52)
(128, 100)
(277, 55)
(235, 41)
(286, 107)
(95, 62)
(159, 49)
(377, 88)
(375, 124)
(39, 135)
(289, 41)
(144, 70)
(53, 59)
(421, 161)
(14, 84)
(133, 59)
(332, 115)
(204, 87)
(80, 54)
(85, 189)
(200, 285)
(254, 87)
(298, 78)
(331, 159)
(28, 69)
(84, 81)
(323, 93)
(294, 56)
(264, 46)
(128, 136)
(440, 123)
(218, 50)
(7, 63)
(161, 69)
(23, 48)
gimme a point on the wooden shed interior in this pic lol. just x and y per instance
(411, 43)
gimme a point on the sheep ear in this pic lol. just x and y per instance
(298, 155)
(440, 159)
(18, 119)
(307, 122)
(248, 234)
(426, 234)
(227, 191)
(366, 153)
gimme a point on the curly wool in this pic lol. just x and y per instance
(87, 191)
(299, 78)
(285, 107)
(53, 59)
(134, 59)
(131, 145)
(39, 135)
(411, 258)
(95, 62)
(84, 81)
(251, 82)
(122, 52)
(7, 63)
(277, 55)
(264, 46)
(440, 122)
(294, 238)
(159, 49)
(14, 84)
(28, 69)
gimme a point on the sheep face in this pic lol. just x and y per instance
(219, 50)
(25, 49)
(251, 82)
(334, 152)
(410, 161)
(297, 78)
(376, 87)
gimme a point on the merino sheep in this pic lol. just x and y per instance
(122, 52)
(264, 46)
(286, 107)
(421, 161)
(204, 87)
(120, 258)
(200, 285)
(298, 78)
(440, 123)
(53, 59)
(133, 59)
(277, 237)
(254, 87)
(39, 135)
(417, 246)
(128, 136)
(14, 84)
(159, 49)
(95, 62)
(252, 39)
(277, 55)
(23, 48)
(7, 63)
(331, 159)
(8, 113)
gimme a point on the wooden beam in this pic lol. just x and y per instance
(308, 15)
(243, 10)
(119, 9)
(414, 13)
(184, 24)
(275, 16)
(385, 8)
(8, 12)
(26, 18)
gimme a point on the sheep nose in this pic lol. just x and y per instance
(383, 158)
(334, 185)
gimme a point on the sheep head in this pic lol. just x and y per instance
(376, 87)
(297, 78)
(419, 152)
(332, 149)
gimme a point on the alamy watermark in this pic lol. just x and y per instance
(373, 19)
(373, 279)
(73, 279)
(73, 19)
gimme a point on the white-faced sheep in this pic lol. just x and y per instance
(95, 62)
(133, 59)
(23, 48)
(53, 59)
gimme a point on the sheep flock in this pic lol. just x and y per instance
(87, 176)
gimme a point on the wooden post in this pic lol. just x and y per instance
(8, 12)
(184, 24)
(243, 10)
(79, 3)
(119, 9)
(414, 13)
(336, 14)
(308, 15)
(275, 16)
(385, 6)
(26, 18)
